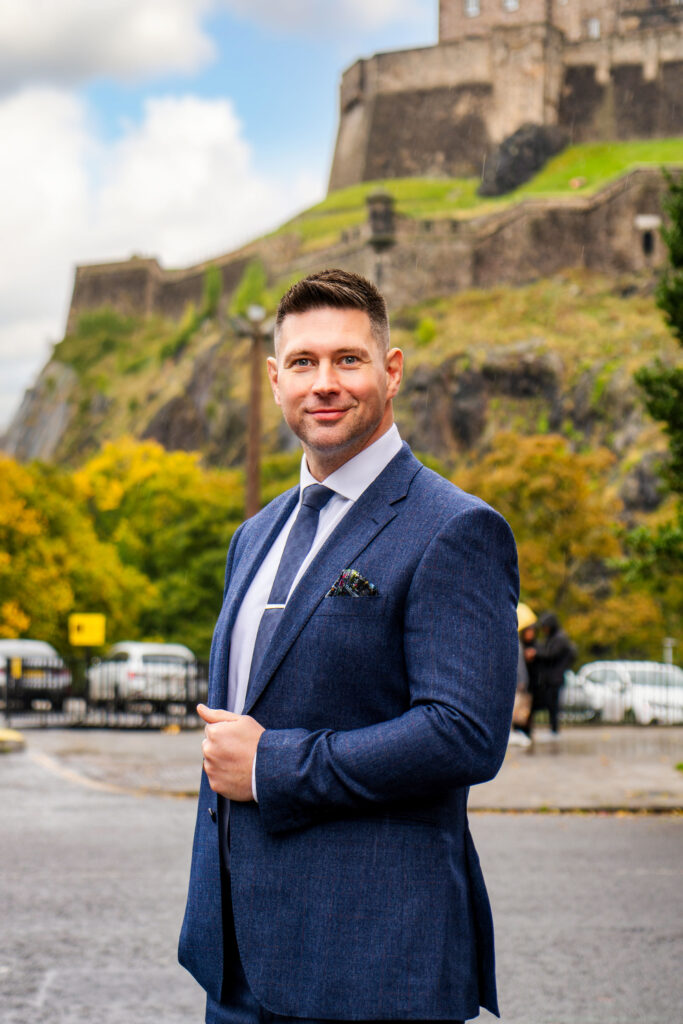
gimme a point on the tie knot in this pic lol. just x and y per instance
(316, 496)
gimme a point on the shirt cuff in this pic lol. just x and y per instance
(253, 779)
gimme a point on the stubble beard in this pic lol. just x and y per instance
(332, 454)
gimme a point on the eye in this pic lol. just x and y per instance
(349, 360)
(301, 361)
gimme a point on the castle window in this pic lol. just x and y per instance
(510, 5)
(472, 8)
(648, 243)
(593, 28)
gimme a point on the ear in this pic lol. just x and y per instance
(272, 375)
(394, 371)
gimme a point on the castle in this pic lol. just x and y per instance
(599, 69)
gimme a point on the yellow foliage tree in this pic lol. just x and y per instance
(52, 562)
(173, 520)
(565, 516)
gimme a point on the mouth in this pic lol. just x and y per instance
(326, 415)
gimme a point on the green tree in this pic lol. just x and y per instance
(656, 555)
(211, 294)
(252, 290)
(663, 385)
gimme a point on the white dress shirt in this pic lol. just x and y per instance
(348, 482)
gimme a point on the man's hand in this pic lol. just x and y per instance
(229, 749)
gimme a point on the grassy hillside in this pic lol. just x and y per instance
(579, 170)
(557, 355)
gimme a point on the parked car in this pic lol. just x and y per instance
(644, 691)
(138, 672)
(576, 701)
(32, 674)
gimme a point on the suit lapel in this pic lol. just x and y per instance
(257, 546)
(370, 514)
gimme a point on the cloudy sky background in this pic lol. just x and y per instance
(174, 128)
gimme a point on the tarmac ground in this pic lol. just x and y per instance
(591, 768)
(95, 846)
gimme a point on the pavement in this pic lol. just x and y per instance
(587, 768)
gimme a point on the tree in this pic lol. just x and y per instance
(252, 289)
(656, 555)
(171, 520)
(565, 520)
(52, 563)
(663, 385)
(211, 292)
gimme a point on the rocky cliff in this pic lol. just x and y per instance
(556, 356)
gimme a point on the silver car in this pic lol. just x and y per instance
(135, 671)
(645, 692)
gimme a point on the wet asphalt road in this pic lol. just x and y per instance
(588, 910)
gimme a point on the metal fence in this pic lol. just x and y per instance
(640, 692)
(115, 694)
(105, 694)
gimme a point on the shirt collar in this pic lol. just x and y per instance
(356, 475)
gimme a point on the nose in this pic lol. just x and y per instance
(326, 381)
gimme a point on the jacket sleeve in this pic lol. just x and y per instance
(460, 647)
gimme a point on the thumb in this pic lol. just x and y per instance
(215, 714)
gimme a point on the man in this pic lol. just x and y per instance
(360, 682)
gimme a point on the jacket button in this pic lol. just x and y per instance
(212, 813)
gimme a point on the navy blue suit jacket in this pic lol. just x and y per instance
(356, 888)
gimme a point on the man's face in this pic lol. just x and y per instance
(334, 384)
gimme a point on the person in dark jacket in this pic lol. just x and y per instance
(528, 643)
(553, 656)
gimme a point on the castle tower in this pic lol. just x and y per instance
(600, 69)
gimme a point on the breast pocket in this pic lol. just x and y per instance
(366, 607)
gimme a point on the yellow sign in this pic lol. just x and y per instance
(15, 668)
(87, 630)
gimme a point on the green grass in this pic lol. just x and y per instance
(420, 198)
(579, 170)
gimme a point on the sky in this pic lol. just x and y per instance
(173, 128)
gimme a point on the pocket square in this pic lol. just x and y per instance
(350, 583)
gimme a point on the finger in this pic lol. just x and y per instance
(215, 714)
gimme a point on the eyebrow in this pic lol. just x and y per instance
(349, 350)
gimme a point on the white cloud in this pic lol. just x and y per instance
(355, 16)
(180, 185)
(68, 41)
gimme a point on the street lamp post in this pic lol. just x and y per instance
(382, 220)
(255, 315)
(254, 327)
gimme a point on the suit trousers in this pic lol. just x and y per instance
(238, 1004)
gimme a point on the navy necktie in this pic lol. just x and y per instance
(299, 542)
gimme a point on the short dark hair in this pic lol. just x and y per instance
(337, 289)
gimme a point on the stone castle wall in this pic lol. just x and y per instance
(439, 111)
(613, 231)
(576, 19)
